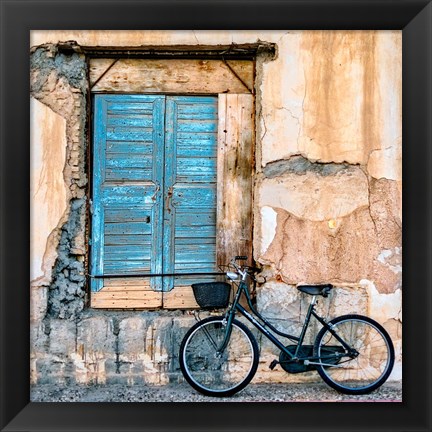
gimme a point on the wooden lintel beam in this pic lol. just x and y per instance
(235, 51)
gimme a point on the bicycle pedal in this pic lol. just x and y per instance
(273, 364)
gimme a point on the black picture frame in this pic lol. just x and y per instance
(18, 18)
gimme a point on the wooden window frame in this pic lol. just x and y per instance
(235, 166)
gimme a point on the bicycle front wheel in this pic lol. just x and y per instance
(216, 373)
(369, 364)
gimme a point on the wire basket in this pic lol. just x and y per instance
(212, 295)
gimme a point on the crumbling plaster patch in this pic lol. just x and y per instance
(314, 192)
(387, 305)
(47, 187)
(339, 247)
(48, 199)
(360, 73)
(268, 224)
(58, 82)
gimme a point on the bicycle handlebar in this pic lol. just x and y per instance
(250, 270)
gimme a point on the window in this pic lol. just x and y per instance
(171, 187)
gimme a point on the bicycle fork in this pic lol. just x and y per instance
(228, 321)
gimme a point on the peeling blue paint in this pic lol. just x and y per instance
(154, 187)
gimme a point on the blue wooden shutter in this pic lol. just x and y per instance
(190, 187)
(154, 187)
(127, 185)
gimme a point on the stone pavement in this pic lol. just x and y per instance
(317, 392)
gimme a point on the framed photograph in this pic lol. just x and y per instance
(138, 110)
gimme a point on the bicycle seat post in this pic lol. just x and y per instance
(313, 301)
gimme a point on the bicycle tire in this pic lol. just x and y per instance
(223, 376)
(375, 360)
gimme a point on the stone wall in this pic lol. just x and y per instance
(327, 200)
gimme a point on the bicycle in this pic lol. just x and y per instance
(219, 355)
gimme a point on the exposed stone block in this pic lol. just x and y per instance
(74, 154)
(131, 339)
(179, 328)
(52, 370)
(348, 300)
(278, 300)
(157, 349)
(95, 336)
(38, 303)
(62, 337)
(96, 343)
(38, 338)
(286, 308)
(394, 328)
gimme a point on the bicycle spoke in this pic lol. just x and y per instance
(213, 372)
(373, 359)
(210, 339)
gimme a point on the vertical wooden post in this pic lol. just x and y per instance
(235, 176)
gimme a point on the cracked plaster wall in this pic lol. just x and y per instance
(328, 184)
(327, 196)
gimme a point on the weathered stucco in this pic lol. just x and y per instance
(314, 194)
(314, 247)
(58, 83)
(47, 188)
(48, 199)
(134, 38)
(335, 96)
(327, 199)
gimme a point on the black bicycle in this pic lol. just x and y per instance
(219, 355)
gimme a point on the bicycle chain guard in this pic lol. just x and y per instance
(294, 367)
(331, 353)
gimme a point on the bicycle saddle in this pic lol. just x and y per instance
(323, 290)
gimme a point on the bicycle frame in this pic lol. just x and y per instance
(264, 325)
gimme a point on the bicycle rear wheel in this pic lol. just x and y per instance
(364, 370)
(213, 373)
